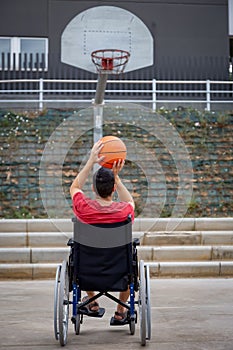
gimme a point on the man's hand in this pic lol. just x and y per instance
(122, 191)
(81, 178)
(94, 155)
(117, 167)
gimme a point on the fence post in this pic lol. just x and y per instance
(154, 95)
(41, 93)
(207, 95)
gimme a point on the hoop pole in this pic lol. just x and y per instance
(100, 89)
(98, 127)
(98, 110)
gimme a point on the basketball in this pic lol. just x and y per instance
(113, 150)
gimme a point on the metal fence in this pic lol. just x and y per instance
(42, 93)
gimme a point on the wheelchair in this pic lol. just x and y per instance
(103, 258)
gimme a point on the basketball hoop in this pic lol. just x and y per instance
(111, 61)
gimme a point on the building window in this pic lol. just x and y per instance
(23, 53)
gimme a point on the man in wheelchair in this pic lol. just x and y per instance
(102, 210)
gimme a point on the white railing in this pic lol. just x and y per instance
(205, 92)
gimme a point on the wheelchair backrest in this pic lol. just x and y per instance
(103, 255)
(104, 235)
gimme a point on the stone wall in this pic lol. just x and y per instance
(151, 172)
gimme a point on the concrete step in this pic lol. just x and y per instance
(172, 247)
(191, 269)
(188, 238)
(157, 269)
(146, 253)
(59, 239)
(140, 224)
(185, 253)
(28, 271)
(40, 239)
(33, 255)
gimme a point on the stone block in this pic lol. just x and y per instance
(15, 271)
(14, 255)
(13, 239)
(226, 268)
(44, 271)
(144, 224)
(54, 255)
(49, 225)
(217, 237)
(182, 253)
(209, 224)
(154, 269)
(168, 224)
(174, 238)
(222, 253)
(145, 253)
(189, 269)
(48, 239)
(13, 225)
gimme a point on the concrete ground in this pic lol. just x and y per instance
(187, 314)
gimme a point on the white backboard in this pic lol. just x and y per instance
(106, 27)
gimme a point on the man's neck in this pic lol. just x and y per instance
(104, 201)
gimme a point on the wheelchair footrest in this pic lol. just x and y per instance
(86, 312)
(114, 322)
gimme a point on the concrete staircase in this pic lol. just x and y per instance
(203, 247)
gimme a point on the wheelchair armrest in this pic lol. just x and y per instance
(136, 242)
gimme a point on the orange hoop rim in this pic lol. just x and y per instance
(110, 60)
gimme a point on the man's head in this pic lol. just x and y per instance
(103, 182)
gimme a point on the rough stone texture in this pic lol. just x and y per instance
(207, 137)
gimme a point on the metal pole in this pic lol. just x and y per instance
(98, 109)
(207, 95)
(100, 89)
(154, 94)
(41, 87)
(98, 106)
(98, 121)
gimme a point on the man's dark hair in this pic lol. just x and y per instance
(103, 182)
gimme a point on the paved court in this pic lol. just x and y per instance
(187, 314)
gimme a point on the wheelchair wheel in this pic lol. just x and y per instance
(63, 304)
(142, 303)
(148, 304)
(56, 291)
(78, 322)
(132, 325)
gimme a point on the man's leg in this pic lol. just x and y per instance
(90, 294)
(123, 296)
(94, 306)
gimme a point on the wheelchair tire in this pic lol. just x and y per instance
(63, 302)
(132, 327)
(148, 304)
(77, 324)
(55, 312)
(142, 303)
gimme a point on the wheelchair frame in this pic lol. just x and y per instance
(66, 285)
